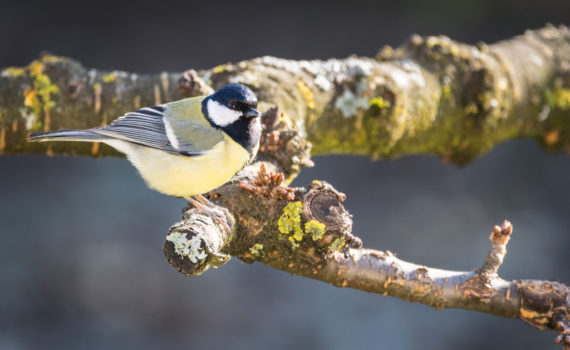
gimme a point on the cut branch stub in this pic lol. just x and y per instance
(322, 203)
(194, 244)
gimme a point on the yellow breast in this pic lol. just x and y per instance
(187, 176)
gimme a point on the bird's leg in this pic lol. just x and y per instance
(215, 212)
(224, 212)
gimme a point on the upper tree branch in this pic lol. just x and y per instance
(430, 95)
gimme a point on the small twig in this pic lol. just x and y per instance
(500, 238)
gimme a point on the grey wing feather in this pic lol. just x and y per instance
(146, 127)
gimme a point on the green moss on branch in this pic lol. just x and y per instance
(431, 95)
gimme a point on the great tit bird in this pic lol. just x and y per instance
(183, 148)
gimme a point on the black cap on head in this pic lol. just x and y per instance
(235, 96)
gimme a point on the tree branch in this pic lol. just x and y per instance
(307, 232)
(430, 95)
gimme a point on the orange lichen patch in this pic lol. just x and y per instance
(15, 125)
(536, 317)
(2, 140)
(541, 302)
(552, 137)
(339, 272)
(344, 283)
(421, 290)
(290, 265)
(95, 148)
(36, 67)
(29, 97)
(529, 313)
(38, 97)
(388, 281)
(477, 288)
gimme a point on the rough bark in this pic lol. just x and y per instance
(431, 95)
(307, 232)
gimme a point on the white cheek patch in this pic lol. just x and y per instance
(220, 114)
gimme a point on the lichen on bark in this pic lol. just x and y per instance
(431, 95)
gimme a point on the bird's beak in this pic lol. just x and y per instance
(253, 113)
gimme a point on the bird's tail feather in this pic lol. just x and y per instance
(67, 135)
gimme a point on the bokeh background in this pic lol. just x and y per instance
(81, 265)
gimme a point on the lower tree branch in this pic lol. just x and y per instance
(307, 232)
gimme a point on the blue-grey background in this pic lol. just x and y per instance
(81, 265)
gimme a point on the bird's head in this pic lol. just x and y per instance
(230, 104)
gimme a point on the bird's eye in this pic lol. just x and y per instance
(237, 105)
(233, 105)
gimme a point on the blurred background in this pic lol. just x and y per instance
(81, 265)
